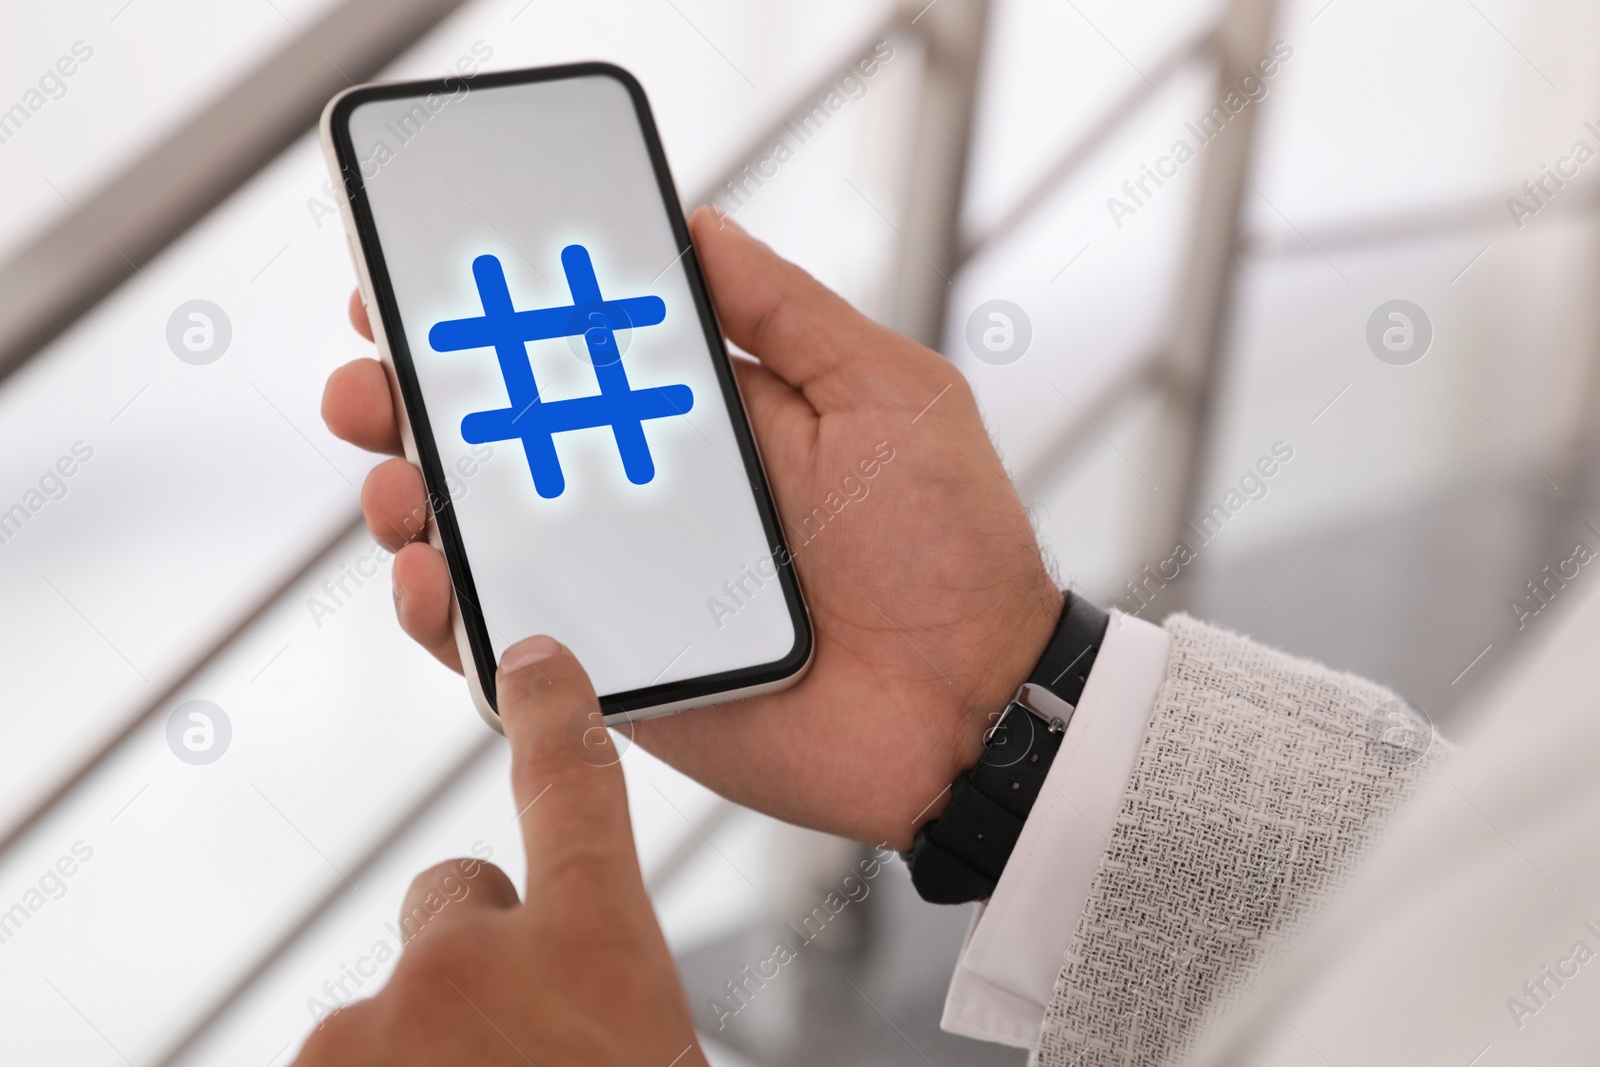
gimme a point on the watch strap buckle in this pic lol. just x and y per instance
(1054, 710)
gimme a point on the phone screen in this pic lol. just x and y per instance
(602, 486)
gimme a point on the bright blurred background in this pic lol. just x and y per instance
(1147, 356)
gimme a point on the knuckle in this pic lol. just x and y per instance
(577, 869)
(581, 883)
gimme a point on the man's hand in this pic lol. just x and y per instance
(577, 974)
(928, 595)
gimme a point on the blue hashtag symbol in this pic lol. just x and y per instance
(536, 422)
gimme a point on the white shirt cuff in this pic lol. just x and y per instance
(1018, 939)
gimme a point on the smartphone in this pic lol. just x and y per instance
(564, 386)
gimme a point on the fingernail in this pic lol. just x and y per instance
(527, 652)
(726, 218)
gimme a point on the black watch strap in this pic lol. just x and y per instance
(958, 857)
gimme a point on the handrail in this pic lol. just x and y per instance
(756, 147)
(1078, 152)
(40, 808)
(1476, 213)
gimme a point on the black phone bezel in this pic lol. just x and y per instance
(371, 249)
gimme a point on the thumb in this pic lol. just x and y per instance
(797, 327)
(573, 806)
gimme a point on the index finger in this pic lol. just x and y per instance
(573, 808)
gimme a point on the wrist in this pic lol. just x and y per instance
(1017, 651)
(959, 854)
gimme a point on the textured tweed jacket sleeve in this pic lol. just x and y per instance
(1261, 782)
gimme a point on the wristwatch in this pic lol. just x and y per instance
(958, 857)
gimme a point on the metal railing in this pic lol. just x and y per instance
(1184, 368)
(103, 241)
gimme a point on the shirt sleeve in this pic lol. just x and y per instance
(1015, 945)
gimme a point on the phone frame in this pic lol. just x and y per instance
(471, 632)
